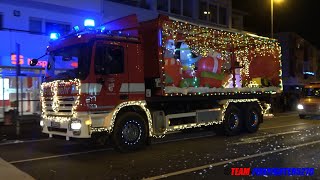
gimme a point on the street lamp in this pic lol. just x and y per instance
(273, 1)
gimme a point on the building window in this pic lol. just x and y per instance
(35, 25)
(57, 27)
(212, 13)
(1, 21)
(136, 3)
(187, 8)
(203, 10)
(163, 5)
(175, 6)
(223, 15)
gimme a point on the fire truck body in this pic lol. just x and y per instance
(132, 81)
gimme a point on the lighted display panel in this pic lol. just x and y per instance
(4, 87)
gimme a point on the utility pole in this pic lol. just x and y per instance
(18, 68)
(272, 18)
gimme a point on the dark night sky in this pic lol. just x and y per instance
(300, 16)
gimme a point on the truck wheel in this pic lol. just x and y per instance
(232, 121)
(130, 132)
(302, 116)
(253, 119)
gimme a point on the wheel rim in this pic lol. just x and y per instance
(254, 119)
(131, 132)
(233, 121)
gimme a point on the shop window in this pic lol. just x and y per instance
(61, 28)
(109, 59)
(35, 25)
(187, 8)
(175, 6)
(223, 15)
(163, 5)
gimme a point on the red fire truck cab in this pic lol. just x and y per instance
(132, 81)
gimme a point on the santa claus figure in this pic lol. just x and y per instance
(173, 71)
(210, 70)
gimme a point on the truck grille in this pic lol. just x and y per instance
(59, 98)
(62, 108)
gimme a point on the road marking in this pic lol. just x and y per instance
(258, 139)
(57, 156)
(229, 161)
(274, 127)
(21, 141)
(285, 116)
(182, 139)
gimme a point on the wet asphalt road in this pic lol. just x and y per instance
(283, 141)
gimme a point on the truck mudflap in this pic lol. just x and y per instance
(75, 128)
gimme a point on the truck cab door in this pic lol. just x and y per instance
(110, 72)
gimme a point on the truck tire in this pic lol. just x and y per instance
(253, 118)
(130, 132)
(232, 121)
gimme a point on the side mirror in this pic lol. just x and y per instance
(33, 62)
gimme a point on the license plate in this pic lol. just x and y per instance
(55, 124)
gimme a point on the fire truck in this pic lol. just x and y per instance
(132, 81)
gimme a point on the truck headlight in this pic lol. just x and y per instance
(75, 125)
(300, 106)
(41, 123)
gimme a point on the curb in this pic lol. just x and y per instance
(8, 171)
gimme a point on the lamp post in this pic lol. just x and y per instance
(273, 1)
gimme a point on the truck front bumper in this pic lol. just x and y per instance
(66, 128)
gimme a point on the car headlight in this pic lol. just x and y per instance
(41, 123)
(75, 125)
(300, 106)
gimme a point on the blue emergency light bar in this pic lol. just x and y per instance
(89, 23)
(54, 36)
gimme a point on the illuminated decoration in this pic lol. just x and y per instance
(253, 84)
(76, 28)
(54, 92)
(54, 36)
(241, 52)
(89, 23)
(224, 108)
(141, 104)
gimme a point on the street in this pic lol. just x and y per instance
(282, 141)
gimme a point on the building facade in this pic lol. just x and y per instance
(300, 64)
(213, 12)
(28, 23)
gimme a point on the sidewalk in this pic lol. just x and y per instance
(8, 171)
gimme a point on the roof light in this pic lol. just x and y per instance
(76, 28)
(89, 23)
(54, 36)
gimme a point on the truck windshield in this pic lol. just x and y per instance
(69, 63)
(313, 92)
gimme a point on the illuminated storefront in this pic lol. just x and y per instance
(28, 85)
